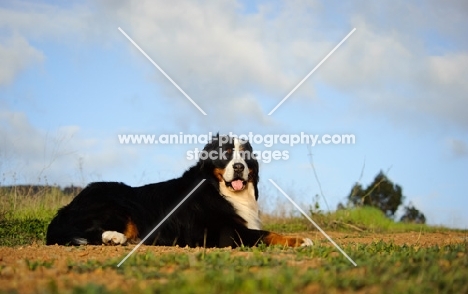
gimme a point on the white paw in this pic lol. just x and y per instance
(307, 242)
(113, 238)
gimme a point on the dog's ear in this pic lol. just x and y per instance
(254, 168)
(256, 177)
(212, 145)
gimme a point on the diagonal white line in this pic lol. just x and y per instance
(160, 223)
(315, 68)
(317, 226)
(162, 71)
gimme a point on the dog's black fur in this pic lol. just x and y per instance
(206, 218)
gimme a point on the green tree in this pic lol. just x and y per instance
(381, 193)
(413, 215)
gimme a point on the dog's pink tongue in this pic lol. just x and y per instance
(237, 185)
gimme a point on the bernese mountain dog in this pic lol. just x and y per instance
(221, 212)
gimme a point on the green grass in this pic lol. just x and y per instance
(25, 215)
(362, 219)
(14, 232)
(374, 220)
(383, 267)
(23, 204)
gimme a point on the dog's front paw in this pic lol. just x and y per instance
(113, 238)
(293, 241)
(307, 242)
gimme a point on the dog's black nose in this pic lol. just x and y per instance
(238, 167)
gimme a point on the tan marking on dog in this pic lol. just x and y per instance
(292, 241)
(218, 173)
(251, 176)
(131, 231)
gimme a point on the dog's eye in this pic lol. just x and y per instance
(229, 151)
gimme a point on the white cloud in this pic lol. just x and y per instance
(25, 23)
(214, 54)
(47, 22)
(224, 59)
(217, 54)
(16, 55)
(29, 154)
(390, 71)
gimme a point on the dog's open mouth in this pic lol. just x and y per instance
(236, 185)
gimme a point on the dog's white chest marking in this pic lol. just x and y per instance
(245, 204)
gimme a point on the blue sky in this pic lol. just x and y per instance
(70, 82)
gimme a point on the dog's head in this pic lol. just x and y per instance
(232, 162)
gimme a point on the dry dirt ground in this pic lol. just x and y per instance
(16, 275)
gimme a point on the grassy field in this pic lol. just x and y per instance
(391, 257)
